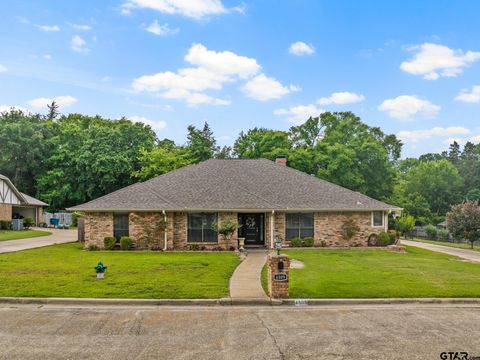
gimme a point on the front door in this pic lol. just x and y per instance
(252, 228)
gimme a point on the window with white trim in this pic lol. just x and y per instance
(200, 228)
(377, 219)
(299, 225)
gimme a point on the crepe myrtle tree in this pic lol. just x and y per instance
(226, 229)
(405, 224)
(463, 221)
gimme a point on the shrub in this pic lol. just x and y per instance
(126, 243)
(4, 225)
(383, 239)
(444, 234)
(296, 242)
(323, 243)
(349, 229)
(431, 231)
(109, 242)
(93, 247)
(28, 222)
(308, 242)
(392, 234)
(193, 247)
(405, 224)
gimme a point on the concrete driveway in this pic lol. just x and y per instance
(337, 332)
(471, 255)
(57, 237)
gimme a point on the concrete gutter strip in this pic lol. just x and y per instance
(232, 302)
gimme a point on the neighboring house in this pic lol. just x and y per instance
(268, 199)
(15, 204)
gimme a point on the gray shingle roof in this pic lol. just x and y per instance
(234, 185)
(32, 201)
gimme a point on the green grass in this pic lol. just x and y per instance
(22, 234)
(67, 271)
(381, 274)
(455, 245)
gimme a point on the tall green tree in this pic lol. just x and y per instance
(24, 147)
(201, 143)
(91, 157)
(161, 160)
(437, 181)
(262, 143)
(355, 155)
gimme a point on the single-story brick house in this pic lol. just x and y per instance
(15, 204)
(269, 200)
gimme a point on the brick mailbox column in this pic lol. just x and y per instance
(278, 279)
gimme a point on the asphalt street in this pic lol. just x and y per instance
(326, 332)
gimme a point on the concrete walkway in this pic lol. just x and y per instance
(246, 280)
(471, 255)
(57, 237)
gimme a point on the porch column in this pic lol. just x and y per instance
(272, 228)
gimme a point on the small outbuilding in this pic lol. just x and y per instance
(17, 205)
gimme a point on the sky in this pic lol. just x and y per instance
(410, 67)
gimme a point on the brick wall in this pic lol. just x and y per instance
(328, 228)
(97, 227)
(180, 230)
(278, 289)
(147, 230)
(5, 212)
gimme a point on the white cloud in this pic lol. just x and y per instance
(7, 108)
(82, 27)
(415, 136)
(300, 48)
(458, 140)
(475, 139)
(196, 9)
(47, 56)
(340, 98)
(300, 113)
(49, 28)
(406, 107)
(432, 61)
(62, 101)
(264, 88)
(154, 124)
(469, 97)
(224, 63)
(2, 68)
(78, 44)
(211, 72)
(160, 30)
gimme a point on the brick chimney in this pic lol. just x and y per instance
(281, 160)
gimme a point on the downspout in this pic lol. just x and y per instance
(165, 232)
(272, 236)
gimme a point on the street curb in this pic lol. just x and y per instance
(234, 302)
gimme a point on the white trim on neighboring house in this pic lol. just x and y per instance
(383, 219)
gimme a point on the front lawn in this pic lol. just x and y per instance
(67, 271)
(21, 234)
(367, 273)
(444, 243)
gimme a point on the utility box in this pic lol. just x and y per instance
(17, 224)
(278, 276)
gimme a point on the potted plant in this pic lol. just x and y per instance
(100, 270)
